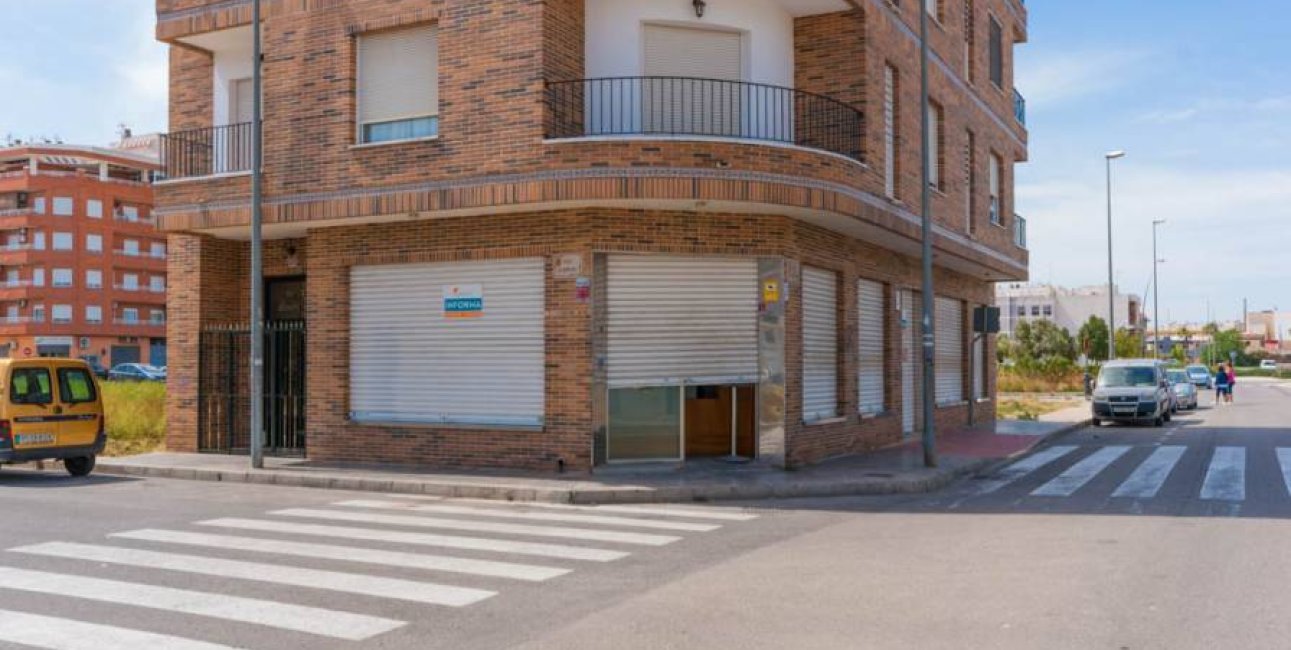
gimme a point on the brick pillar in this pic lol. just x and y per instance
(203, 287)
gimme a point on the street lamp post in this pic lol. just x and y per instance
(257, 261)
(1156, 294)
(1111, 281)
(929, 304)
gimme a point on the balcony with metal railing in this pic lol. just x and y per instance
(210, 151)
(685, 107)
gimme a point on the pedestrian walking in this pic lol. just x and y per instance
(1221, 384)
(1232, 382)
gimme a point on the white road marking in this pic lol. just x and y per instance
(1147, 479)
(1226, 476)
(65, 634)
(444, 509)
(421, 592)
(559, 551)
(527, 572)
(717, 514)
(1076, 476)
(1284, 460)
(312, 620)
(1023, 467)
(481, 526)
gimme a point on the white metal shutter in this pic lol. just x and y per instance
(411, 363)
(950, 350)
(911, 360)
(819, 344)
(243, 100)
(675, 106)
(682, 319)
(398, 75)
(889, 131)
(871, 338)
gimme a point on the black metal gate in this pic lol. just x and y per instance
(223, 392)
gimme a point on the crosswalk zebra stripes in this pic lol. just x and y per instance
(382, 534)
(1224, 479)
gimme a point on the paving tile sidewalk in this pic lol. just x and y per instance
(897, 469)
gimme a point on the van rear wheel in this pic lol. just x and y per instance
(79, 466)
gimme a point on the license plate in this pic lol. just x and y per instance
(30, 439)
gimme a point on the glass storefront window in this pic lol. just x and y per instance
(645, 423)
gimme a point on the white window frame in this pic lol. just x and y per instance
(934, 145)
(130, 282)
(891, 103)
(94, 209)
(61, 309)
(157, 284)
(157, 250)
(38, 276)
(93, 279)
(130, 247)
(67, 237)
(62, 278)
(64, 206)
(130, 315)
(157, 317)
(94, 314)
(997, 181)
(38, 240)
(93, 242)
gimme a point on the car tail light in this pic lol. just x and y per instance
(6, 434)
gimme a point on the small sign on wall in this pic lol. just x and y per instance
(463, 301)
(568, 265)
(583, 290)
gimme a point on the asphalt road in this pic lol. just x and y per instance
(1118, 537)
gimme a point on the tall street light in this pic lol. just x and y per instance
(1156, 293)
(257, 245)
(929, 304)
(1111, 281)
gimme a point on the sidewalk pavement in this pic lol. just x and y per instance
(894, 470)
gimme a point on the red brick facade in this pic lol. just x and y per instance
(492, 186)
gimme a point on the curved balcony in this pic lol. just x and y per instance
(671, 107)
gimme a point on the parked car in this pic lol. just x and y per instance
(96, 366)
(50, 410)
(136, 372)
(1268, 364)
(1134, 390)
(1185, 392)
(1201, 376)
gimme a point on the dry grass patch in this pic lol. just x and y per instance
(136, 417)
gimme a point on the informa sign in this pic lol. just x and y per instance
(463, 301)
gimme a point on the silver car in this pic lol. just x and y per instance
(1132, 391)
(1185, 392)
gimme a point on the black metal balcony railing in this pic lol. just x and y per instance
(208, 151)
(1019, 107)
(684, 106)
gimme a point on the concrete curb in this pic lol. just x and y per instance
(786, 489)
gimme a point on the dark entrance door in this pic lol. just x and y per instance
(124, 354)
(715, 415)
(224, 377)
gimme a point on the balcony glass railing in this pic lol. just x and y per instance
(207, 152)
(1019, 107)
(710, 108)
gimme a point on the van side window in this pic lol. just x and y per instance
(76, 386)
(30, 386)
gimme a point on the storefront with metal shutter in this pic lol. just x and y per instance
(819, 344)
(681, 356)
(459, 343)
(871, 339)
(950, 351)
(910, 306)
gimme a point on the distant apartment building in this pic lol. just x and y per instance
(82, 267)
(1268, 331)
(1066, 308)
(570, 233)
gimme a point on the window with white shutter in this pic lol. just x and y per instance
(398, 85)
(871, 343)
(819, 344)
(997, 203)
(949, 351)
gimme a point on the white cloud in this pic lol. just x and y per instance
(1072, 75)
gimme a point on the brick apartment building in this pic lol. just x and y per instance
(564, 233)
(84, 267)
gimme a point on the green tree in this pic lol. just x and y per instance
(1092, 338)
(1225, 343)
(1129, 344)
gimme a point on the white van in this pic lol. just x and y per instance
(1132, 390)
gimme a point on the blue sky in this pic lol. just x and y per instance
(1197, 92)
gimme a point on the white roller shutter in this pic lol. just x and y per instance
(398, 75)
(871, 337)
(911, 360)
(950, 351)
(675, 106)
(676, 320)
(819, 344)
(414, 359)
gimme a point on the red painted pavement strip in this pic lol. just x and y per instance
(979, 444)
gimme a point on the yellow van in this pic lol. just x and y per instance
(51, 410)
